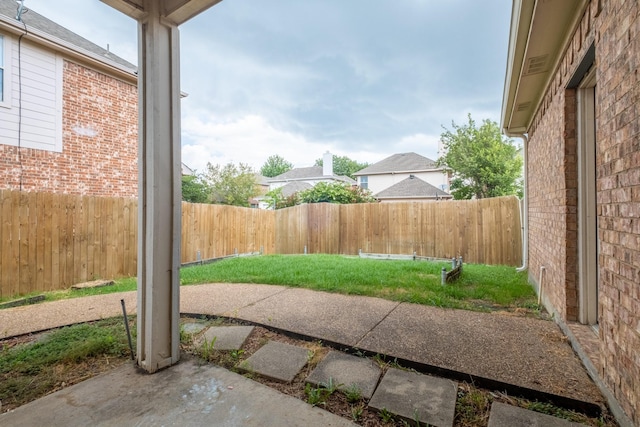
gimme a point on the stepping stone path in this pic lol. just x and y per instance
(347, 370)
(503, 415)
(226, 337)
(411, 395)
(276, 360)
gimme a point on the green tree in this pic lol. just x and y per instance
(231, 184)
(336, 192)
(482, 163)
(278, 201)
(194, 189)
(342, 165)
(274, 166)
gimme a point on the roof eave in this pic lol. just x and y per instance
(75, 52)
(539, 35)
(360, 173)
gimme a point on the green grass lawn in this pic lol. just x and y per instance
(481, 287)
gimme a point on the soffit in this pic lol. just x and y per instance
(540, 32)
(176, 11)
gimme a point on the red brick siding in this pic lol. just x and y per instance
(614, 27)
(99, 141)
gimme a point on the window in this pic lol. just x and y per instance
(5, 72)
(364, 182)
(2, 71)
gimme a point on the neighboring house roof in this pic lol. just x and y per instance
(186, 170)
(401, 162)
(294, 187)
(261, 180)
(39, 27)
(313, 172)
(412, 188)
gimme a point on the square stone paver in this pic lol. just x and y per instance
(276, 360)
(346, 370)
(227, 337)
(503, 415)
(192, 328)
(409, 394)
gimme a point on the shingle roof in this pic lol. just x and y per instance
(261, 180)
(414, 188)
(32, 19)
(313, 172)
(294, 187)
(299, 173)
(401, 162)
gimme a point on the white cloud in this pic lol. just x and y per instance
(250, 139)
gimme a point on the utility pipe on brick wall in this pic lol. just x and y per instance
(542, 269)
(524, 206)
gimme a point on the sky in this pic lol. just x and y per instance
(298, 78)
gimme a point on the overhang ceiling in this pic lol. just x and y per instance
(540, 32)
(176, 11)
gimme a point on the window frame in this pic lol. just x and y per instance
(364, 182)
(5, 94)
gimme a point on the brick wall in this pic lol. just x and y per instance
(614, 27)
(100, 146)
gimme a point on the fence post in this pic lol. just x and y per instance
(444, 276)
(453, 263)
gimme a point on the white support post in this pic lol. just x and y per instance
(159, 205)
(159, 169)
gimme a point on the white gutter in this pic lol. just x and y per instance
(524, 208)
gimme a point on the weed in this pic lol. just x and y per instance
(206, 349)
(386, 416)
(330, 386)
(236, 355)
(356, 412)
(315, 395)
(353, 393)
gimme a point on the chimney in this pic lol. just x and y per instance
(327, 164)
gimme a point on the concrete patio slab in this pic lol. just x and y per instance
(276, 360)
(227, 337)
(223, 299)
(414, 396)
(503, 415)
(334, 317)
(494, 346)
(187, 394)
(347, 370)
(54, 314)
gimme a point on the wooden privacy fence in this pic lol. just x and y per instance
(52, 241)
(484, 231)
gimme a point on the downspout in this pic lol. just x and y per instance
(524, 204)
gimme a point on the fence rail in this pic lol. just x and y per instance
(52, 241)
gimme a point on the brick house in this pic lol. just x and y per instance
(572, 92)
(68, 111)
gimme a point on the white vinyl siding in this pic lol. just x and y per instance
(40, 94)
